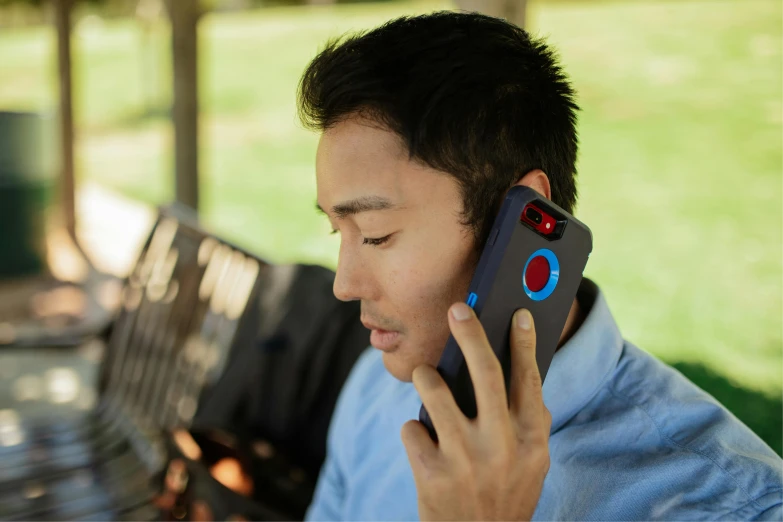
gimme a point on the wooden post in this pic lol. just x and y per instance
(516, 12)
(184, 16)
(62, 10)
(148, 14)
(512, 10)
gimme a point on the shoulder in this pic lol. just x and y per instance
(686, 416)
(708, 453)
(650, 445)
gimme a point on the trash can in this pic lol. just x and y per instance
(27, 177)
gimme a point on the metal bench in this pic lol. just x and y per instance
(181, 313)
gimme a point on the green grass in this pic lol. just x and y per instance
(680, 165)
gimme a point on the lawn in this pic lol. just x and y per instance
(680, 164)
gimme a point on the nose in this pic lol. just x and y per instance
(351, 280)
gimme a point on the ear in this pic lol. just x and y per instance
(538, 181)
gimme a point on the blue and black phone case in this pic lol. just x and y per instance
(499, 289)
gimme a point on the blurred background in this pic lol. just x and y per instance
(680, 169)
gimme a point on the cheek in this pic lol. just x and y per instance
(424, 281)
(417, 294)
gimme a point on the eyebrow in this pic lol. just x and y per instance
(355, 206)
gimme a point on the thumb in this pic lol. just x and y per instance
(422, 451)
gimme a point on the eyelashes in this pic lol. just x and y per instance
(372, 241)
(375, 241)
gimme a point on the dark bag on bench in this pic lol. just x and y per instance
(280, 387)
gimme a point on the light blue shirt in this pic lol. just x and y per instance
(632, 439)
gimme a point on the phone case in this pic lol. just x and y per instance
(498, 290)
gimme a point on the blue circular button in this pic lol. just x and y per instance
(554, 274)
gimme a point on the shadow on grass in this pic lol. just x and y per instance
(760, 412)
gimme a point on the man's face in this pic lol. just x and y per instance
(403, 249)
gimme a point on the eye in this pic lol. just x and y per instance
(375, 241)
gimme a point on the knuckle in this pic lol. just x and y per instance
(539, 437)
(526, 348)
(492, 369)
(532, 379)
(533, 441)
(540, 455)
(526, 340)
(544, 462)
(495, 385)
(538, 462)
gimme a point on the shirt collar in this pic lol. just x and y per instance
(581, 366)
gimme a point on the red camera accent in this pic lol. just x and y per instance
(547, 224)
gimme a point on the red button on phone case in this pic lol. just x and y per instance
(537, 274)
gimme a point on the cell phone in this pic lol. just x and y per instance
(533, 258)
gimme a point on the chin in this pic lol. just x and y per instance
(401, 362)
(400, 367)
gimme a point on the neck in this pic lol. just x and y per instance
(574, 321)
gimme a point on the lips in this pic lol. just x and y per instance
(384, 340)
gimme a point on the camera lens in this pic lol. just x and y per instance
(533, 215)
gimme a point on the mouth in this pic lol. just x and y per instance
(383, 340)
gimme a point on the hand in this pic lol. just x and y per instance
(491, 467)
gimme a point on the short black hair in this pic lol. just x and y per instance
(471, 95)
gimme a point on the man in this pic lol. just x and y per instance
(426, 123)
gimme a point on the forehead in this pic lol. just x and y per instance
(357, 158)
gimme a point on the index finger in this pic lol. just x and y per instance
(484, 367)
(526, 396)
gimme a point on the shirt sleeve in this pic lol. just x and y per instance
(330, 492)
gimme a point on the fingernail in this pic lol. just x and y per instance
(461, 312)
(524, 320)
